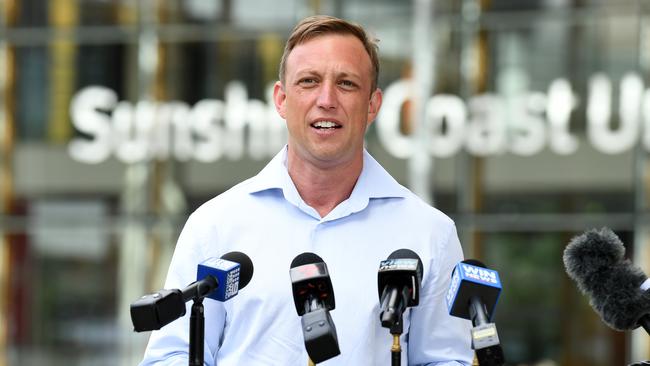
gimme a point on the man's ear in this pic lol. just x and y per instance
(279, 98)
(374, 105)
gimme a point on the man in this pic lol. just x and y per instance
(323, 193)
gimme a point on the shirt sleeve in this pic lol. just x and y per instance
(170, 344)
(435, 337)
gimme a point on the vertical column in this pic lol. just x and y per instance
(469, 169)
(64, 17)
(167, 198)
(150, 189)
(640, 346)
(134, 255)
(8, 12)
(421, 163)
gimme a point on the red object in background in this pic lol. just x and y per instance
(19, 282)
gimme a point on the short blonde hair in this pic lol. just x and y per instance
(319, 25)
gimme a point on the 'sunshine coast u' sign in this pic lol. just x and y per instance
(486, 124)
(207, 131)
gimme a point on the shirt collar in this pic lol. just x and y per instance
(272, 176)
(374, 182)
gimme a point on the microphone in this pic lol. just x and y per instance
(314, 298)
(217, 278)
(473, 295)
(398, 279)
(232, 271)
(616, 288)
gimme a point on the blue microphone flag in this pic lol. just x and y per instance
(469, 280)
(226, 273)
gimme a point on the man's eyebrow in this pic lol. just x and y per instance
(307, 71)
(345, 74)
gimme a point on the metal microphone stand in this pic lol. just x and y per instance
(197, 332)
(197, 292)
(396, 349)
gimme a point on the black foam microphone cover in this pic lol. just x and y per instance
(310, 280)
(305, 258)
(406, 275)
(595, 260)
(245, 266)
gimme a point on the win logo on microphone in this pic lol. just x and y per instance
(468, 277)
(488, 276)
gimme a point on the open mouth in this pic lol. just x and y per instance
(324, 125)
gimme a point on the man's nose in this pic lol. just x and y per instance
(327, 96)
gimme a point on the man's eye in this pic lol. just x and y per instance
(307, 81)
(347, 84)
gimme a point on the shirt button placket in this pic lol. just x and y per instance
(315, 237)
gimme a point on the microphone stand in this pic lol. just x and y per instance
(197, 291)
(197, 332)
(396, 349)
(393, 304)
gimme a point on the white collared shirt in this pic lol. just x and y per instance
(266, 218)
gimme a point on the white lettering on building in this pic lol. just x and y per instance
(487, 124)
(208, 131)
(524, 124)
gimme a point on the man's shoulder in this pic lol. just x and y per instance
(416, 208)
(235, 196)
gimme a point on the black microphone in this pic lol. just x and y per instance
(232, 271)
(217, 278)
(314, 298)
(398, 279)
(595, 260)
(473, 294)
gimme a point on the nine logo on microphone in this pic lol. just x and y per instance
(226, 272)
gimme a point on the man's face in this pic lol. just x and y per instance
(326, 100)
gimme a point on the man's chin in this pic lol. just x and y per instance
(326, 155)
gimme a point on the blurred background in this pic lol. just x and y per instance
(527, 121)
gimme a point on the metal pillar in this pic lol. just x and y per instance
(134, 238)
(469, 169)
(64, 17)
(421, 163)
(639, 344)
(8, 12)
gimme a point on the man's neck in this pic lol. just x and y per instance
(324, 188)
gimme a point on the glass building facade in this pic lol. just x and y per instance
(526, 121)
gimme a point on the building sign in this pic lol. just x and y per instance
(484, 125)
(208, 131)
(525, 124)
